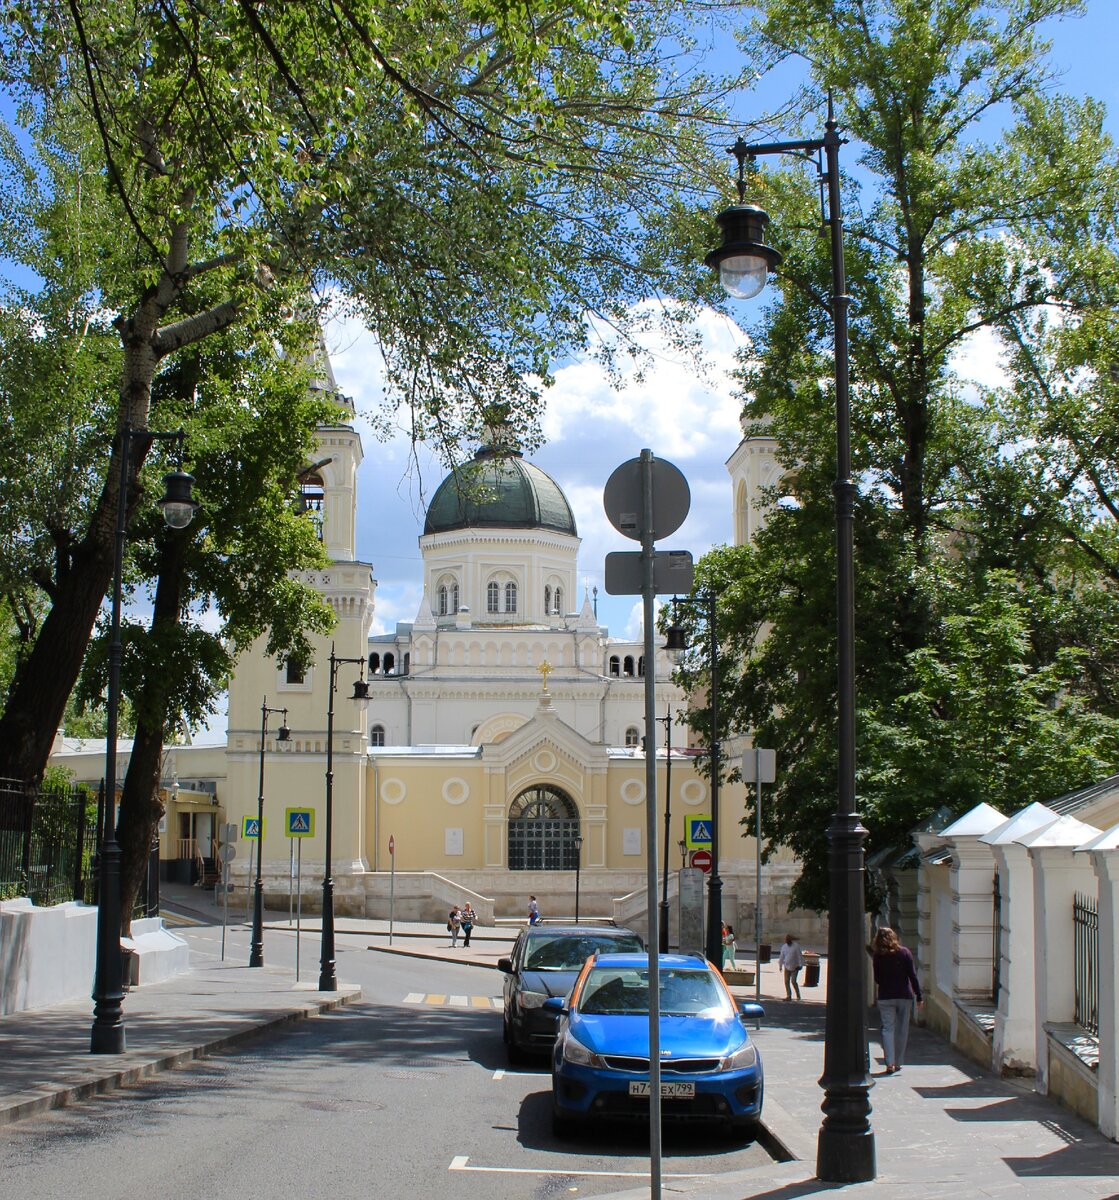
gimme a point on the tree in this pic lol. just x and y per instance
(977, 600)
(465, 175)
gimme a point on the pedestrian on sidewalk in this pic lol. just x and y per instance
(896, 986)
(790, 959)
(466, 918)
(729, 948)
(533, 911)
(454, 924)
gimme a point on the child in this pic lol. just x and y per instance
(729, 949)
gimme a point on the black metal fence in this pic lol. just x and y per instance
(996, 942)
(1085, 962)
(48, 842)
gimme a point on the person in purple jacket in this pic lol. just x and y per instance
(896, 986)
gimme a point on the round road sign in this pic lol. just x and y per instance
(702, 859)
(392, 844)
(623, 499)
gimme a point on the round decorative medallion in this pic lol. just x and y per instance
(545, 761)
(393, 791)
(633, 791)
(693, 792)
(456, 791)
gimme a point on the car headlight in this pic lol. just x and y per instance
(575, 1052)
(745, 1056)
(531, 999)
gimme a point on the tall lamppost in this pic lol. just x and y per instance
(663, 927)
(845, 1148)
(577, 842)
(328, 977)
(675, 643)
(107, 1035)
(256, 953)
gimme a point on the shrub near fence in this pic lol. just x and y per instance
(48, 839)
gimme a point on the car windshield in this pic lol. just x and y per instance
(684, 992)
(565, 952)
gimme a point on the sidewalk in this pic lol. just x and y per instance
(943, 1127)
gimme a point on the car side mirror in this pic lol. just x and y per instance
(506, 965)
(556, 1004)
(752, 1010)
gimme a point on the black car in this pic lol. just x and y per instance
(545, 961)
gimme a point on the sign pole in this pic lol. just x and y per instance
(758, 881)
(291, 876)
(392, 883)
(299, 905)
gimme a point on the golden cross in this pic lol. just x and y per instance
(545, 669)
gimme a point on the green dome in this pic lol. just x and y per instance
(502, 493)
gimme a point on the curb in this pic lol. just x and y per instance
(425, 954)
(65, 1094)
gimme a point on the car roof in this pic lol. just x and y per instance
(694, 962)
(609, 931)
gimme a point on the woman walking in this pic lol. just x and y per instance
(896, 986)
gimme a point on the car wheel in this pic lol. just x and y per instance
(743, 1131)
(513, 1053)
(563, 1126)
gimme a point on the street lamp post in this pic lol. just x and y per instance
(845, 1148)
(107, 1035)
(328, 976)
(663, 929)
(256, 953)
(577, 841)
(674, 643)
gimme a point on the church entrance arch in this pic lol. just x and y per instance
(543, 824)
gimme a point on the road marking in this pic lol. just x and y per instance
(499, 1073)
(460, 1163)
(439, 998)
(460, 1001)
(414, 998)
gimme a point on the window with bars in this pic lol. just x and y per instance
(543, 825)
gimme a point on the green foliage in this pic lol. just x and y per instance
(985, 517)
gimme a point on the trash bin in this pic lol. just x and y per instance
(811, 969)
(764, 951)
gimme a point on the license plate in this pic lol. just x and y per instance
(670, 1090)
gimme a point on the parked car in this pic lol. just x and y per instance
(710, 1069)
(545, 962)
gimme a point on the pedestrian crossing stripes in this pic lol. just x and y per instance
(442, 1000)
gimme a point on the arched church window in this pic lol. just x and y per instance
(377, 735)
(543, 825)
(511, 597)
(615, 665)
(374, 663)
(311, 494)
(557, 601)
(454, 598)
(633, 736)
(390, 663)
(443, 601)
(641, 666)
(407, 664)
(627, 665)
(493, 597)
(547, 598)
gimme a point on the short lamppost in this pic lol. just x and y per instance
(177, 502)
(845, 1147)
(675, 643)
(328, 976)
(663, 928)
(256, 953)
(577, 842)
(682, 846)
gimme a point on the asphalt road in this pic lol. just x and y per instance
(406, 1092)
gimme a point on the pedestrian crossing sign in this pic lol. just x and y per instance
(251, 828)
(697, 832)
(300, 822)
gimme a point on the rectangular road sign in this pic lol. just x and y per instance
(752, 760)
(251, 828)
(673, 573)
(697, 832)
(299, 822)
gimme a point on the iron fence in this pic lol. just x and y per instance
(996, 941)
(48, 842)
(1086, 960)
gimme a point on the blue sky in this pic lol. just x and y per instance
(592, 428)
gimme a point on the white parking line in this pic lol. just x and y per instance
(414, 998)
(460, 1163)
(499, 1073)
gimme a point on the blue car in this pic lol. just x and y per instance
(710, 1070)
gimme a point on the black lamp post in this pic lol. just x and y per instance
(328, 977)
(675, 642)
(107, 1035)
(845, 1148)
(256, 953)
(577, 842)
(663, 927)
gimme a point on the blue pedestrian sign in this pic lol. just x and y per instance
(300, 822)
(697, 832)
(251, 828)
